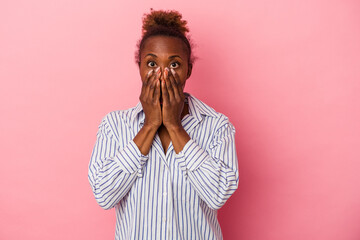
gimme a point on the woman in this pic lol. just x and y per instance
(169, 163)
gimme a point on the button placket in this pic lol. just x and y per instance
(166, 194)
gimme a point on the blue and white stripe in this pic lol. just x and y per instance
(158, 196)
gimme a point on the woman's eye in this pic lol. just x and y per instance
(151, 64)
(174, 64)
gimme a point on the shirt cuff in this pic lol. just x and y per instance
(131, 159)
(191, 156)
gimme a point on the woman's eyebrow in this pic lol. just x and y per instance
(173, 56)
(150, 54)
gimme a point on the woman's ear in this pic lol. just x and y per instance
(189, 70)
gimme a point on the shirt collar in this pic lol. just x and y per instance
(138, 109)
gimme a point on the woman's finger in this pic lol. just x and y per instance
(174, 85)
(157, 91)
(169, 86)
(164, 93)
(149, 86)
(144, 83)
(152, 87)
(145, 88)
(177, 85)
(148, 77)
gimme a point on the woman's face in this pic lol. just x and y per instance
(165, 51)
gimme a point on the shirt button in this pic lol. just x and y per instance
(165, 193)
(139, 171)
(164, 219)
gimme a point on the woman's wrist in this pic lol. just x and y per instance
(144, 138)
(174, 127)
(179, 137)
(151, 126)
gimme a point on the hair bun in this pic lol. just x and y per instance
(162, 18)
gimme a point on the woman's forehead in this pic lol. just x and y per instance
(164, 45)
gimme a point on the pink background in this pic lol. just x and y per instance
(286, 73)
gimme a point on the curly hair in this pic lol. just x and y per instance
(164, 23)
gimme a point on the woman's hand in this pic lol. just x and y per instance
(173, 100)
(150, 99)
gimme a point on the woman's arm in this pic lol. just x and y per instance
(112, 171)
(150, 102)
(213, 173)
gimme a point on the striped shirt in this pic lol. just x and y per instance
(158, 196)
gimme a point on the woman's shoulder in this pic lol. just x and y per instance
(219, 121)
(117, 117)
(205, 109)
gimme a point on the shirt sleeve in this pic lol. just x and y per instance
(113, 170)
(213, 173)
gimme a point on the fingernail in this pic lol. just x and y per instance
(173, 71)
(148, 74)
(158, 70)
(166, 72)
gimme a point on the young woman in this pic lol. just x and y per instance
(169, 163)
